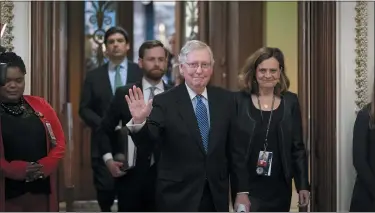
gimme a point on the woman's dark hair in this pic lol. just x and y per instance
(149, 45)
(114, 30)
(247, 76)
(13, 60)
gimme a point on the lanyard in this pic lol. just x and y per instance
(269, 120)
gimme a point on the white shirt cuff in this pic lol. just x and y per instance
(107, 157)
(134, 127)
(242, 193)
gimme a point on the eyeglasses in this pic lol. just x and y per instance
(196, 65)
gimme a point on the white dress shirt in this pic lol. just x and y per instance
(123, 73)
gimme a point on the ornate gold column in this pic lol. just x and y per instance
(6, 17)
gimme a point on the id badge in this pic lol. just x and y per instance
(51, 134)
(264, 164)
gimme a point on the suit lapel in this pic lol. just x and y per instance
(132, 73)
(106, 82)
(139, 84)
(187, 114)
(214, 107)
(166, 86)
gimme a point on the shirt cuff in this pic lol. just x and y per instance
(107, 157)
(242, 193)
(133, 128)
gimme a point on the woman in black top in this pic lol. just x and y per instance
(269, 117)
(363, 197)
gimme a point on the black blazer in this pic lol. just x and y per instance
(118, 111)
(363, 197)
(184, 167)
(292, 148)
(96, 96)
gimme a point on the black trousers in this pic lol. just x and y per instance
(207, 203)
(136, 190)
(281, 204)
(104, 185)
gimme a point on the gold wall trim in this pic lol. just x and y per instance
(6, 17)
(361, 40)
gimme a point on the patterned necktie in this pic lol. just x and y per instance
(118, 80)
(152, 93)
(202, 118)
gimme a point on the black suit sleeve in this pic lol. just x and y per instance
(237, 155)
(111, 119)
(152, 130)
(299, 156)
(86, 104)
(360, 151)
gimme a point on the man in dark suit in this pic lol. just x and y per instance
(136, 187)
(195, 125)
(98, 89)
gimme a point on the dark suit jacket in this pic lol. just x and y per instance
(119, 111)
(363, 197)
(292, 148)
(96, 96)
(184, 167)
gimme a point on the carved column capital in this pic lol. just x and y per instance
(6, 17)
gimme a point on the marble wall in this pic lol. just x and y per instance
(346, 86)
(22, 36)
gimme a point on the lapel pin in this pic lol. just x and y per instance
(39, 114)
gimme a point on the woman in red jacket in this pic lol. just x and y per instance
(32, 144)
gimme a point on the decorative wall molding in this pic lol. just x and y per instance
(361, 40)
(6, 17)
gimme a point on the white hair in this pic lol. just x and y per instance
(191, 46)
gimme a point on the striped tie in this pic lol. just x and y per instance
(152, 93)
(202, 118)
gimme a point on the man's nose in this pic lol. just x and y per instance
(199, 69)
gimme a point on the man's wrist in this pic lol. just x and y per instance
(107, 157)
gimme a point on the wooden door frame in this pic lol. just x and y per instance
(51, 66)
(317, 94)
(48, 63)
(240, 20)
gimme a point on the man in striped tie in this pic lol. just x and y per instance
(98, 90)
(196, 128)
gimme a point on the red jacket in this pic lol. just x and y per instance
(17, 169)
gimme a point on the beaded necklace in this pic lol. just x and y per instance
(14, 109)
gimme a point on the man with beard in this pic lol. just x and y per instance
(136, 186)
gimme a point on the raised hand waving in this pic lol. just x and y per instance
(137, 106)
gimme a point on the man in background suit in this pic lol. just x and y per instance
(136, 187)
(195, 125)
(98, 89)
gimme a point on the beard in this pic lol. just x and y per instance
(154, 74)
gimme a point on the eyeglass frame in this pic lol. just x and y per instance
(201, 65)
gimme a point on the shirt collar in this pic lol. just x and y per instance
(192, 94)
(124, 64)
(146, 85)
